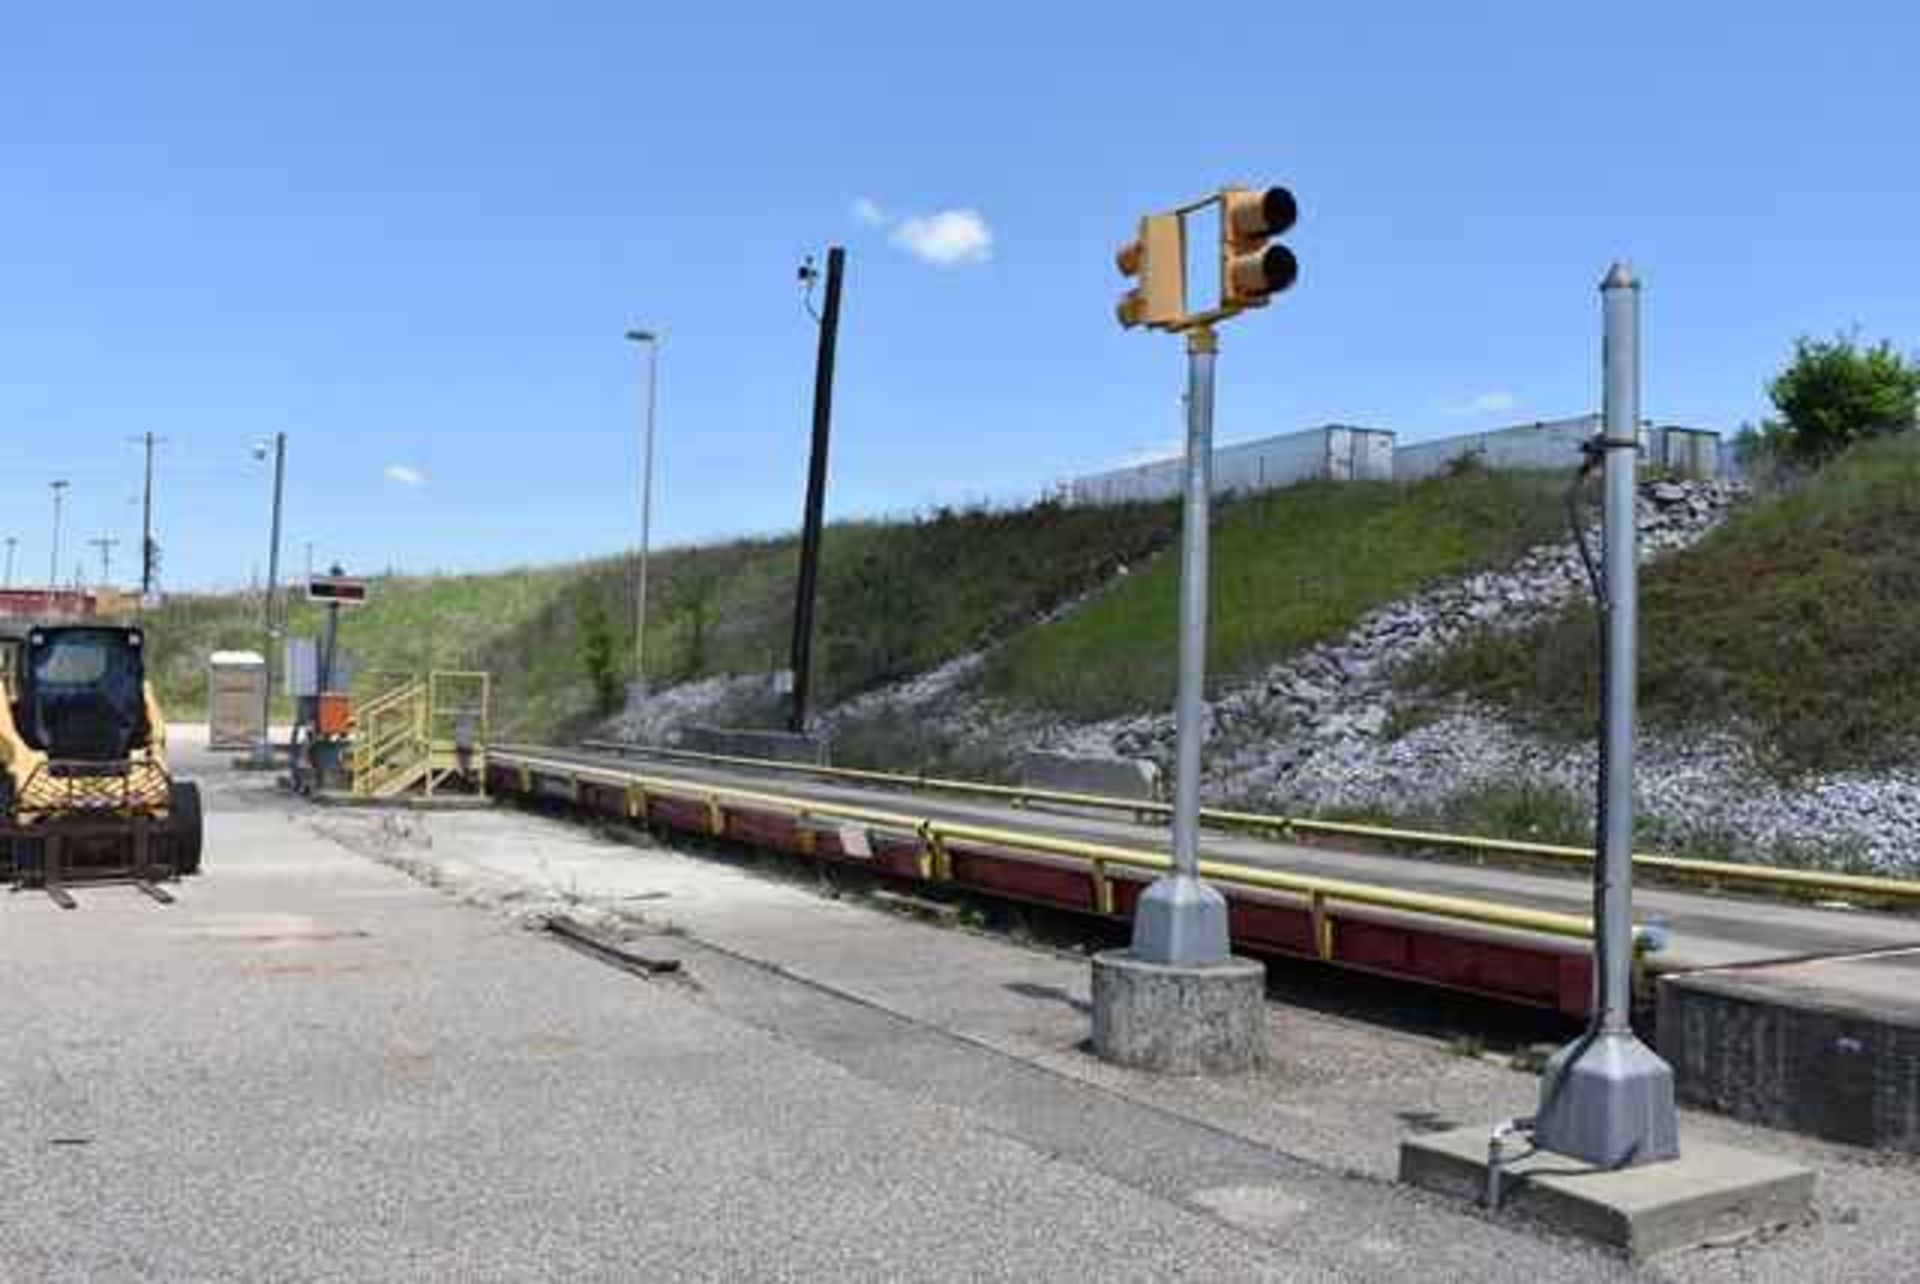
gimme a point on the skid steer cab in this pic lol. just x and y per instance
(85, 793)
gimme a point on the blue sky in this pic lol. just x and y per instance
(411, 236)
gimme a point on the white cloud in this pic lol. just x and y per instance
(1487, 403)
(946, 238)
(405, 474)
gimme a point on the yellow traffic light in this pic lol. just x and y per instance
(1155, 259)
(1252, 271)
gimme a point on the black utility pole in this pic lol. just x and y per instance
(816, 494)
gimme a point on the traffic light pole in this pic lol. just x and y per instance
(1607, 1098)
(1181, 920)
(804, 595)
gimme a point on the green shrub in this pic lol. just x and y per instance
(1835, 393)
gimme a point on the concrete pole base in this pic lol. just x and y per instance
(1202, 1019)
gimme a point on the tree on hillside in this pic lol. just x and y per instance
(596, 653)
(1835, 392)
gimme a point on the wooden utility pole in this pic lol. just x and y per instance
(149, 551)
(816, 494)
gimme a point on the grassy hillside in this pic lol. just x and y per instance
(895, 598)
(1289, 569)
(1800, 619)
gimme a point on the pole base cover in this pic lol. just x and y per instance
(1204, 1020)
(1607, 1099)
(1181, 920)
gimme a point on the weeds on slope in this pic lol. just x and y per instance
(1798, 620)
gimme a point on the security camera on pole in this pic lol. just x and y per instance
(1178, 1000)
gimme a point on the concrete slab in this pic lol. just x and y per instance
(1829, 1046)
(1085, 774)
(1711, 1194)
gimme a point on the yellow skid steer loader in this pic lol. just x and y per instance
(85, 793)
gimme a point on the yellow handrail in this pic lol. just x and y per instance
(1775, 877)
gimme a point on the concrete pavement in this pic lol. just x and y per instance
(323, 1066)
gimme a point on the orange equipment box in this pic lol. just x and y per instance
(335, 713)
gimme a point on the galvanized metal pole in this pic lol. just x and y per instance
(1607, 1098)
(1621, 360)
(264, 752)
(1190, 693)
(639, 689)
(1181, 920)
(816, 494)
(13, 542)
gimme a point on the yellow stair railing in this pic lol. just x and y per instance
(420, 734)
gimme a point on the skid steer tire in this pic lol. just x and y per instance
(184, 827)
(29, 861)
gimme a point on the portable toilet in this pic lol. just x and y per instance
(236, 699)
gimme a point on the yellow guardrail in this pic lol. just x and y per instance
(1766, 877)
(934, 835)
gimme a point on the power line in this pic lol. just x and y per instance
(106, 544)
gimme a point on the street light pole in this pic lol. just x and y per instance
(1607, 1098)
(638, 691)
(263, 755)
(13, 542)
(53, 562)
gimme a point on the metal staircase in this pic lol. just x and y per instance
(424, 735)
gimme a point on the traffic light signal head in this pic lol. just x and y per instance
(1155, 259)
(1252, 270)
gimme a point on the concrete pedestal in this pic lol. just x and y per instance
(1172, 1019)
(1710, 1193)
